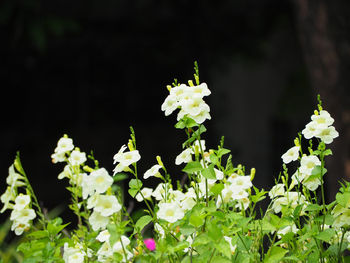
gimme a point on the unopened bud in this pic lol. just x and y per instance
(190, 82)
(159, 160)
(315, 112)
(88, 169)
(296, 142)
(252, 174)
(130, 145)
(65, 136)
(168, 87)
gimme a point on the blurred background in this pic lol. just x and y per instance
(91, 69)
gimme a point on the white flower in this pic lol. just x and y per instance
(202, 115)
(20, 227)
(103, 236)
(119, 154)
(327, 134)
(184, 157)
(291, 155)
(243, 203)
(146, 192)
(312, 183)
(159, 192)
(240, 194)
(292, 228)
(105, 252)
(87, 186)
(64, 145)
(72, 255)
(159, 230)
(193, 106)
(118, 247)
(125, 159)
(198, 147)
(97, 221)
(232, 247)
(219, 174)
(21, 202)
(170, 212)
(153, 171)
(6, 198)
(58, 157)
(67, 172)
(77, 158)
(179, 91)
(101, 180)
(201, 90)
(323, 118)
(310, 130)
(107, 205)
(14, 179)
(170, 104)
(277, 190)
(188, 203)
(241, 182)
(308, 163)
(23, 215)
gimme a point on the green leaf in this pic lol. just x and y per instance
(38, 234)
(275, 254)
(192, 167)
(223, 151)
(326, 235)
(202, 239)
(343, 199)
(187, 230)
(120, 177)
(223, 247)
(209, 172)
(133, 192)
(142, 222)
(114, 235)
(313, 207)
(214, 231)
(186, 122)
(217, 188)
(135, 184)
(196, 220)
(178, 247)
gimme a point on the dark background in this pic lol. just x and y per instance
(93, 68)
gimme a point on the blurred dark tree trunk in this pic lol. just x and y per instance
(323, 28)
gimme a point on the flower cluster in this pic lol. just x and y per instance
(22, 214)
(189, 99)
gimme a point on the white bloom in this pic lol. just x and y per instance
(170, 104)
(184, 157)
(14, 178)
(298, 177)
(308, 163)
(292, 228)
(219, 174)
(201, 90)
(179, 91)
(153, 171)
(198, 147)
(97, 221)
(126, 159)
(159, 230)
(291, 155)
(176, 195)
(6, 198)
(327, 134)
(188, 203)
(101, 180)
(64, 145)
(67, 172)
(312, 184)
(77, 158)
(310, 130)
(72, 255)
(87, 186)
(323, 118)
(277, 190)
(21, 202)
(92, 201)
(103, 236)
(58, 157)
(243, 203)
(239, 194)
(146, 192)
(107, 205)
(159, 192)
(232, 247)
(118, 247)
(23, 216)
(241, 182)
(193, 106)
(202, 115)
(119, 154)
(20, 227)
(170, 212)
(105, 252)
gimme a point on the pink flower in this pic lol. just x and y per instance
(150, 243)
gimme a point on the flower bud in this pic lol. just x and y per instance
(88, 169)
(252, 174)
(296, 142)
(315, 112)
(130, 145)
(190, 82)
(159, 160)
(168, 87)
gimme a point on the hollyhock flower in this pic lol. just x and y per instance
(150, 244)
(153, 171)
(184, 157)
(170, 212)
(291, 155)
(308, 163)
(77, 158)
